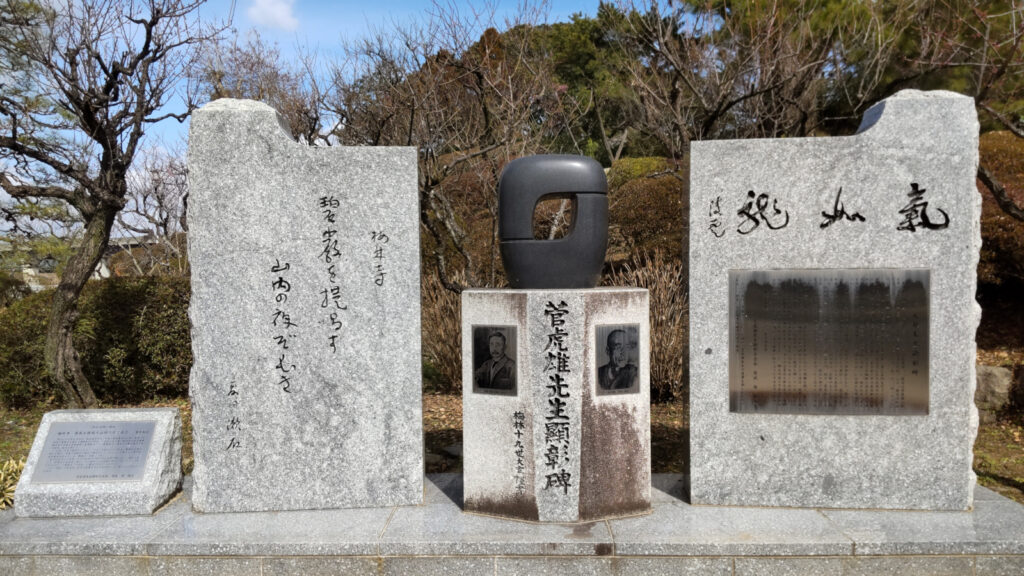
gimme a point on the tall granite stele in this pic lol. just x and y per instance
(305, 318)
(832, 313)
(556, 399)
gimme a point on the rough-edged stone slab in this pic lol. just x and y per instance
(557, 442)
(101, 463)
(915, 155)
(305, 318)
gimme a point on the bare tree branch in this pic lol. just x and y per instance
(92, 76)
(999, 193)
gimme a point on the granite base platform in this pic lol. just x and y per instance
(438, 538)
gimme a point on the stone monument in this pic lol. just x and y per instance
(832, 313)
(108, 462)
(306, 385)
(556, 394)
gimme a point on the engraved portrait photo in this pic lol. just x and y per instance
(494, 365)
(616, 347)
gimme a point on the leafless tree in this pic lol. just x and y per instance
(98, 74)
(754, 69)
(470, 102)
(152, 223)
(248, 67)
(982, 45)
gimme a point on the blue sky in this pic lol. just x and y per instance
(320, 26)
(325, 23)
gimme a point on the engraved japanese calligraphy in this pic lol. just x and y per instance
(519, 449)
(379, 239)
(331, 297)
(305, 315)
(284, 329)
(556, 435)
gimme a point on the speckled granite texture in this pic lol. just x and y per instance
(438, 538)
(606, 453)
(800, 460)
(160, 480)
(305, 318)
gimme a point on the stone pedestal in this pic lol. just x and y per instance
(556, 403)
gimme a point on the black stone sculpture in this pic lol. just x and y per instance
(573, 261)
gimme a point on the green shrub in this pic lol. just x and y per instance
(165, 338)
(434, 382)
(626, 169)
(12, 289)
(23, 377)
(132, 337)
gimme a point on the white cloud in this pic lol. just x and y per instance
(273, 14)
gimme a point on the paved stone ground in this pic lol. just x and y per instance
(438, 538)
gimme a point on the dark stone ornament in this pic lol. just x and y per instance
(574, 261)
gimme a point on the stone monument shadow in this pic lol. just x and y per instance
(450, 487)
(672, 486)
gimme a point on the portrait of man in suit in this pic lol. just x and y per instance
(495, 368)
(617, 346)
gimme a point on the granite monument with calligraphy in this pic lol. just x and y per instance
(832, 313)
(109, 462)
(305, 318)
(556, 395)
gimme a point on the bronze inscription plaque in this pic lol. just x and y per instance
(95, 451)
(846, 341)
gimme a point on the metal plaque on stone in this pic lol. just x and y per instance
(95, 451)
(840, 341)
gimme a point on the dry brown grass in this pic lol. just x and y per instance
(441, 333)
(665, 278)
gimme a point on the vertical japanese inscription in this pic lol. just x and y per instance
(330, 253)
(518, 429)
(556, 426)
(379, 239)
(283, 327)
(716, 225)
(234, 424)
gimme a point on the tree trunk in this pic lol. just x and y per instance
(62, 360)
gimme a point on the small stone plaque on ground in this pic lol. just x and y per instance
(832, 313)
(101, 463)
(306, 383)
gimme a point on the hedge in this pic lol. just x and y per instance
(132, 336)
